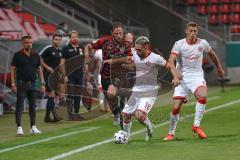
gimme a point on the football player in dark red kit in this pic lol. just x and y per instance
(116, 54)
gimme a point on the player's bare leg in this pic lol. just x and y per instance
(201, 95)
(174, 118)
(142, 118)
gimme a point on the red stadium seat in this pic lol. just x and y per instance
(214, 1)
(5, 25)
(235, 18)
(203, 2)
(236, 8)
(40, 31)
(213, 9)
(191, 2)
(6, 78)
(3, 15)
(235, 0)
(202, 9)
(12, 15)
(226, 1)
(18, 26)
(26, 17)
(235, 29)
(30, 30)
(224, 18)
(225, 8)
(48, 28)
(213, 19)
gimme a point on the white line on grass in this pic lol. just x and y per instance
(81, 149)
(48, 139)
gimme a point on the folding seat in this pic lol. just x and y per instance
(40, 31)
(236, 8)
(205, 2)
(225, 1)
(191, 2)
(235, 18)
(202, 9)
(48, 28)
(18, 26)
(214, 1)
(235, 29)
(213, 19)
(225, 8)
(5, 25)
(26, 17)
(3, 15)
(224, 18)
(30, 30)
(214, 9)
(12, 15)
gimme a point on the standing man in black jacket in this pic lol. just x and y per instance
(24, 66)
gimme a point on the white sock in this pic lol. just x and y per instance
(200, 108)
(127, 127)
(148, 123)
(173, 123)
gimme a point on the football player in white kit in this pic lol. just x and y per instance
(145, 89)
(188, 53)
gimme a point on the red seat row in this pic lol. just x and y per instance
(15, 25)
(235, 29)
(198, 2)
(224, 19)
(225, 8)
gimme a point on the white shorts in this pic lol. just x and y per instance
(188, 84)
(139, 102)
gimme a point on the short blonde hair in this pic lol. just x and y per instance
(142, 41)
(192, 24)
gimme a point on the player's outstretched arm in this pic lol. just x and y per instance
(127, 59)
(215, 60)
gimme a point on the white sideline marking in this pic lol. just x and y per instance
(81, 149)
(47, 139)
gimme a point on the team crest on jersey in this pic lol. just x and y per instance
(200, 49)
(53, 53)
(80, 51)
(148, 63)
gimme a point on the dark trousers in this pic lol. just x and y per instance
(76, 97)
(25, 89)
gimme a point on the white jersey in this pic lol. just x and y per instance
(98, 55)
(147, 71)
(189, 60)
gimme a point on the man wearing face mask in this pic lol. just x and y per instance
(74, 53)
(24, 66)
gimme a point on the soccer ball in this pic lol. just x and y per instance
(121, 137)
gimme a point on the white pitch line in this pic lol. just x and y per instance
(81, 149)
(47, 139)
